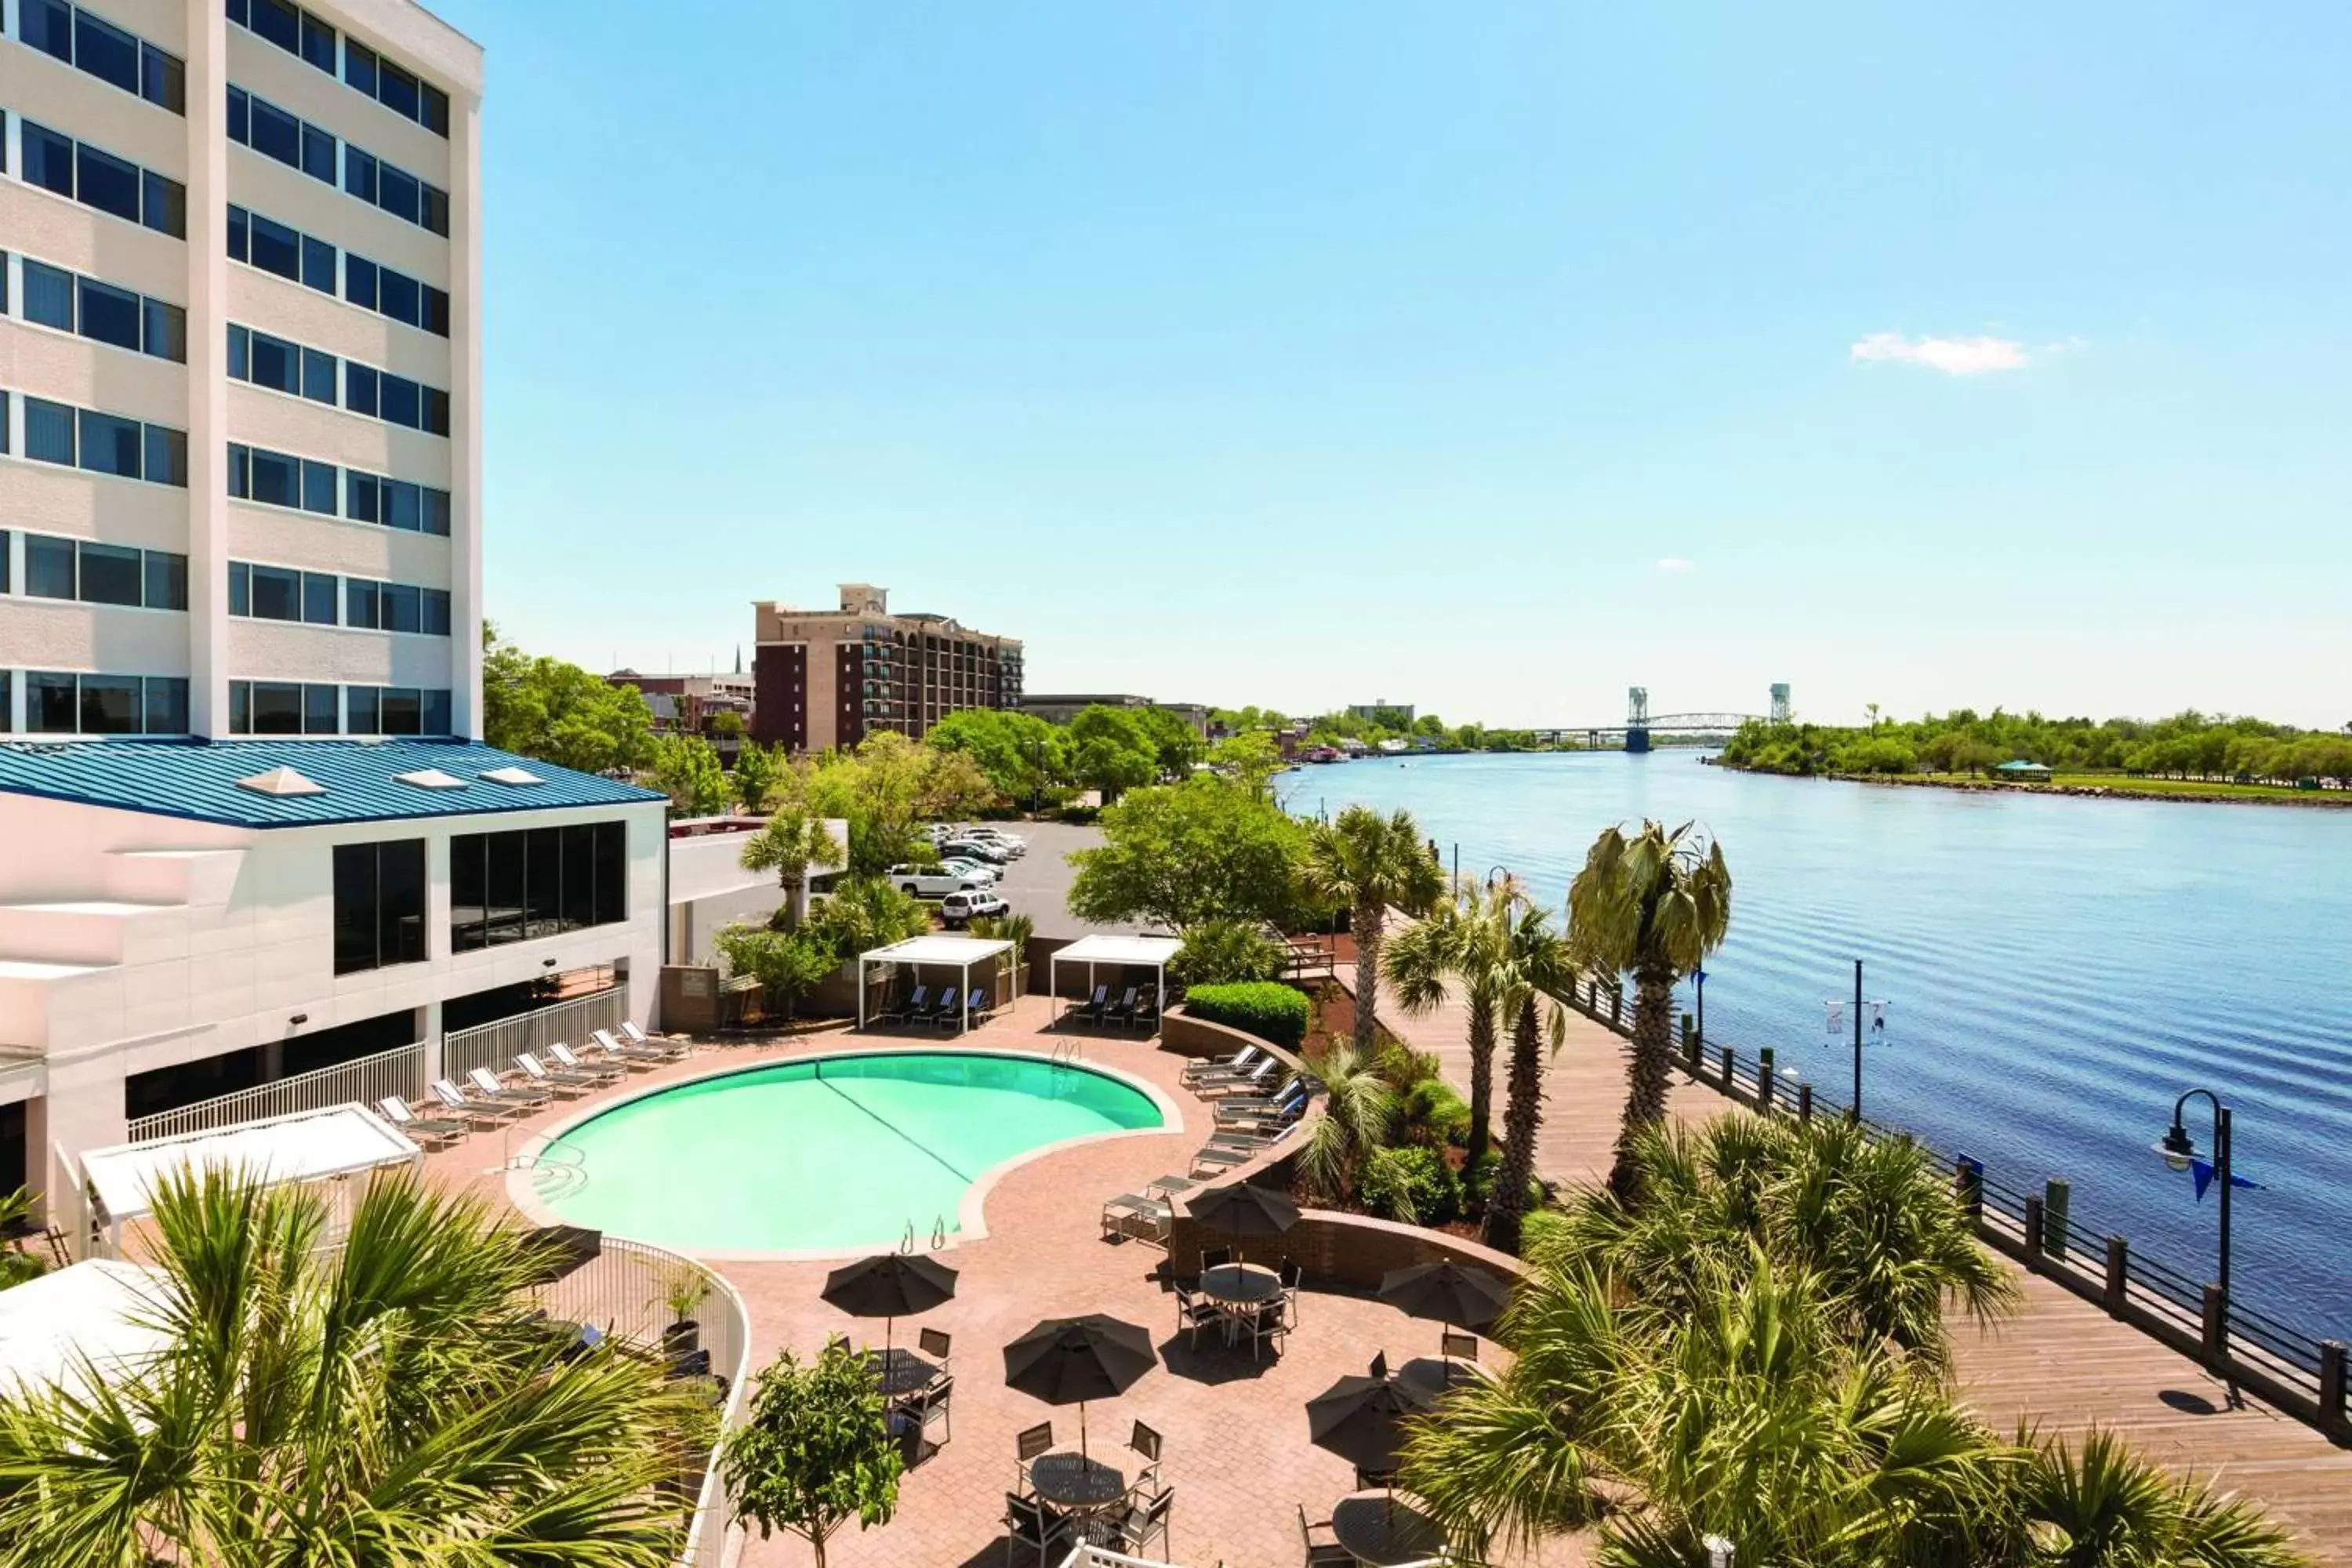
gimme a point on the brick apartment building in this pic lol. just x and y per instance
(831, 677)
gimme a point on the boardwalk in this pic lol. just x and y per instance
(2063, 1365)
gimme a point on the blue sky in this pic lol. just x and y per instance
(1493, 358)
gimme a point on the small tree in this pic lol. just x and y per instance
(686, 770)
(789, 845)
(758, 771)
(816, 1450)
(790, 965)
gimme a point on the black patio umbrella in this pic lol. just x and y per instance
(1068, 1361)
(890, 1286)
(1361, 1419)
(558, 1250)
(1447, 1292)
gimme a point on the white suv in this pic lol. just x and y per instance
(932, 881)
(958, 908)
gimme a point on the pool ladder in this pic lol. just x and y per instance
(938, 1234)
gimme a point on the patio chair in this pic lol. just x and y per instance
(1146, 1017)
(480, 1112)
(1193, 1314)
(667, 1049)
(1203, 1067)
(949, 1013)
(1250, 1082)
(539, 1076)
(1123, 1011)
(983, 1005)
(485, 1083)
(1322, 1546)
(932, 1403)
(631, 1055)
(1268, 1324)
(1215, 1258)
(1291, 1275)
(1145, 1443)
(603, 1072)
(1034, 1444)
(1281, 1108)
(935, 1343)
(912, 1005)
(438, 1132)
(1029, 1525)
(1141, 1522)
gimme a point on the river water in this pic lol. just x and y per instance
(2057, 971)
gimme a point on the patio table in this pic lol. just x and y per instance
(1075, 1484)
(1382, 1530)
(1238, 1290)
(900, 1371)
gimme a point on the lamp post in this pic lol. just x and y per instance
(1698, 982)
(1877, 1030)
(1497, 869)
(2179, 1151)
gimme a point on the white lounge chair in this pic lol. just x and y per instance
(667, 1048)
(602, 1072)
(480, 1112)
(435, 1129)
(486, 1084)
(633, 1055)
(540, 1076)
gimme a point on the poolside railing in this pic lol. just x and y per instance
(496, 1045)
(366, 1080)
(2297, 1372)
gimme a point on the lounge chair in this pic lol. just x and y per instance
(538, 1075)
(1095, 1006)
(1272, 1122)
(949, 1013)
(1261, 1107)
(983, 1005)
(1203, 1068)
(661, 1045)
(1147, 1011)
(480, 1112)
(1213, 1159)
(486, 1084)
(1124, 1011)
(1248, 1083)
(432, 1130)
(631, 1056)
(913, 1006)
(603, 1072)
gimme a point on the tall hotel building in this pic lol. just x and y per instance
(831, 677)
(250, 832)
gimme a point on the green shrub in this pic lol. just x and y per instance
(1433, 1113)
(1411, 1184)
(1404, 1066)
(1226, 953)
(1259, 1008)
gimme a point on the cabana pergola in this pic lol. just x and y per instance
(302, 1146)
(94, 1323)
(1140, 952)
(958, 952)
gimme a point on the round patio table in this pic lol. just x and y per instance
(1381, 1530)
(1239, 1289)
(899, 1372)
(1075, 1484)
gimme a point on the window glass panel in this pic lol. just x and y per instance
(433, 207)
(167, 580)
(436, 312)
(319, 376)
(111, 705)
(164, 331)
(105, 182)
(319, 486)
(50, 707)
(106, 51)
(436, 104)
(400, 921)
(399, 296)
(503, 887)
(318, 598)
(47, 26)
(359, 66)
(543, 861)
(276, 708)
(318, 265)
(468, 911)
(240, 707)
(318, 153)
(7, 714)
(400, 402)
(277, 249)
(359, 495)
(167, 705)
(402, 506)
(49, 567)
(275, 477)
(322, 710)
(402, 710)
(49, 295)
(49, 159)
(612, 871)
(167, 205)
(396, 89)
(359, 281)
(437, 411)
(277, 593)
(436, 611)
(359, 173)
(240, 116)
(318, 43)
(164, 80)
(397, 193)
(359, 710)
(280, 22)
(240, 223)
(112, 574)
(355, 903)
(361, 603)
(437, 713)
(274, 363)
(109, 445)
(110, 315)
(49, 431)
(167, 456)
(437, 512)
(404, 609)
(360, 388)
(240, 588)
(579, 875)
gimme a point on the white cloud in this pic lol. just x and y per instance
(1953, 356)
(1674, 564)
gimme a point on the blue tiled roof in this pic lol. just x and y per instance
(197, 779)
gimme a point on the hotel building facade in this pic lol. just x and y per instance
(831, 677)
(254, 831)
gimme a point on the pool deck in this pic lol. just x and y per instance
(2062, 1363)
(1236, 1449)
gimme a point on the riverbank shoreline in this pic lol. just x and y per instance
(2325, 800)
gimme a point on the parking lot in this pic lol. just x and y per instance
(1038, 883)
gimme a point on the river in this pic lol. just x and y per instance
(2057, 971)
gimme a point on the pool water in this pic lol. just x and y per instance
(834, 1154)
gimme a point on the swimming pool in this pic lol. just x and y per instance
(842, 1153)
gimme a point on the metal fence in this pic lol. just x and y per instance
(367, 1080)
(2301, 1374)
(496, 1046)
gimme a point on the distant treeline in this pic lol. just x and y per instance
(2188, 745)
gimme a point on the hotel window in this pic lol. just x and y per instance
(273, 247)
(281, 593)
(265, 360)
(528, 883)
(99, 179)
(91, 44)
(378, 904)
(396, 503)
(104, 313)
(60, 703)
(258, 123)
(104, 573)
(105, 443)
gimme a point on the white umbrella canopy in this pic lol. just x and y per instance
(95, 1317)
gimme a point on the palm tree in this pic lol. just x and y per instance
(1461, 944)
(1372, 862)
(1359, 1108)
(791, 843)
(1532, 984)
(1653, 904)
(389, 1399)
(1014, 929)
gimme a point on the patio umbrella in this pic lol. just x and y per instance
(560, 1250)
(1361, 1419)
(1068, 1361)
(1445, 1292)
(890, 1286)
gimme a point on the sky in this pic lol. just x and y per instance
(1492, 359)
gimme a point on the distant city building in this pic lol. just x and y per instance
(1060, 708)
(1393, 714)
(694, 705)
(824, 678)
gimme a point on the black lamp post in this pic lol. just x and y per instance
(2179, 1151)
(1698, 982)
(1498, 869)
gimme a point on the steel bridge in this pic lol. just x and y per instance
(1639, 723)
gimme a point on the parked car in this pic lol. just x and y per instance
(1012, 843)
(974, 849)
(930, 881)
(985, 875)
(957, 908)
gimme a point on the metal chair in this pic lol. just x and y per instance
(1455, 1346)
(1139, 1523)
(1293, 1274)
(1145, 1442)
(1193, 1314)
(1215, 1258)
(1034, 1444)
(934, 1400)
(1029, 1524)
(935, 1343)
(1324, 1552)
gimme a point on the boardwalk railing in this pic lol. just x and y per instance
(2298, 1372)
(496, 1046)
(367, 1080)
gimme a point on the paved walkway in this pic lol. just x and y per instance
(2061, 1365)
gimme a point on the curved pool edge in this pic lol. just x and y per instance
(970, 1217)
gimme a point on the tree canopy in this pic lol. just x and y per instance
(1025, 758)
(544, 708)
(885, 790)
(2188, 744)
(1180, 853)
(816, 1450)
(687, 769)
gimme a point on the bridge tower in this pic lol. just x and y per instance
(1780, 702)
(1637, 719)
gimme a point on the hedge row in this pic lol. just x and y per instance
(1260, 1007)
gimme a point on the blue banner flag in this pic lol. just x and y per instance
(2201, 1173)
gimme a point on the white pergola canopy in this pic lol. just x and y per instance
(95, 1318)
(1103, 947)
(959, 953)
(302, 1146)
